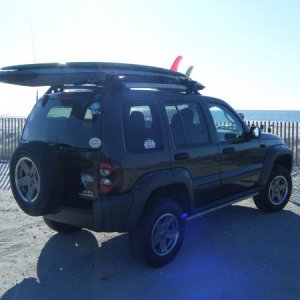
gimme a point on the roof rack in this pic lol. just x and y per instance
(109, 75)
(157, 86)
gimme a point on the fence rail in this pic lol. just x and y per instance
(11, 130)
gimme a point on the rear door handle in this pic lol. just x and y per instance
(181, 156)
(228, 150)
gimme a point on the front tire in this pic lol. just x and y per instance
(61, 227)
(159, 234)
(277, 191)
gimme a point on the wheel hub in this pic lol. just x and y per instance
(278, 190)
(165, 234)
(27, 179)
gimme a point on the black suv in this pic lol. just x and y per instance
(129, 148)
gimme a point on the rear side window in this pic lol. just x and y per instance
(76, 121)
(141, 127)
(187, 123)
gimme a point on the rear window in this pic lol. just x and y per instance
(76, 121)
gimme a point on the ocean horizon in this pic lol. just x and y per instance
(250, 115)
(271, 115)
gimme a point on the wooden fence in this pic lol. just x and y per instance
(11, 130)
(10, 134)
(288, 131)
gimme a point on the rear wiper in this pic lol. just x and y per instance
(63, 145)
(53, 141)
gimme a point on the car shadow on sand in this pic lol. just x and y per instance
(234, 253)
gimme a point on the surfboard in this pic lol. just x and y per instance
(189, 71)
(176, 63)
(56, 74)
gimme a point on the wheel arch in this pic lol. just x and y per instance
(278, 155)
(284, 161)
(161, 184)
(176, 191)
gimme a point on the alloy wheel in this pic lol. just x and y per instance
(165, 234)
(278, 190)
(27, 179)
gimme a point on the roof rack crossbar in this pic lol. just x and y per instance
(159, 86)
(116, 84)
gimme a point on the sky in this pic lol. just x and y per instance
(244, 52)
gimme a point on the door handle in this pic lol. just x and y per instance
(228, 150)
(181, 156)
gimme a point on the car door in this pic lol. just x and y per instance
(192, 148)
(240, 156)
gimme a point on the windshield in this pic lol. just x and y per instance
(75, 120)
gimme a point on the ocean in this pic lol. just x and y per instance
(271, 115)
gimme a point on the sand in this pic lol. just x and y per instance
(235, 253)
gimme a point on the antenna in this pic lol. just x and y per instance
(32, 40)
(33, 54)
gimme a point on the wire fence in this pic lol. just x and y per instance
(11, 130)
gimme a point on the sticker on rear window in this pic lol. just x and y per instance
(95, 108)
(95, 142)
(149, 144)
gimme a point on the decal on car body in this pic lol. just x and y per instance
(95, 142)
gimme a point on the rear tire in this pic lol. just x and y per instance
(277, 191)
(61, 227)
(159, 234)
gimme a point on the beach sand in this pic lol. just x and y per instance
(234, 253)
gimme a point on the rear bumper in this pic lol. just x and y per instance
(108, 214)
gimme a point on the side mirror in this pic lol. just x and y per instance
(255, 132)
(241, 116)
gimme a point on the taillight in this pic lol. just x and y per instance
(111, 177)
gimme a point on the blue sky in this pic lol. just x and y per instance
(245, 52)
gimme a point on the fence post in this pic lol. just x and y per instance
(297, 124)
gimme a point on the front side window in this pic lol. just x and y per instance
(228, 127)
(141, 128)
(186, 123)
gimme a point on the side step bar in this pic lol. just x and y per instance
(209, 210)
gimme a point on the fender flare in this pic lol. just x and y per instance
(271, 156)
(152, 181)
